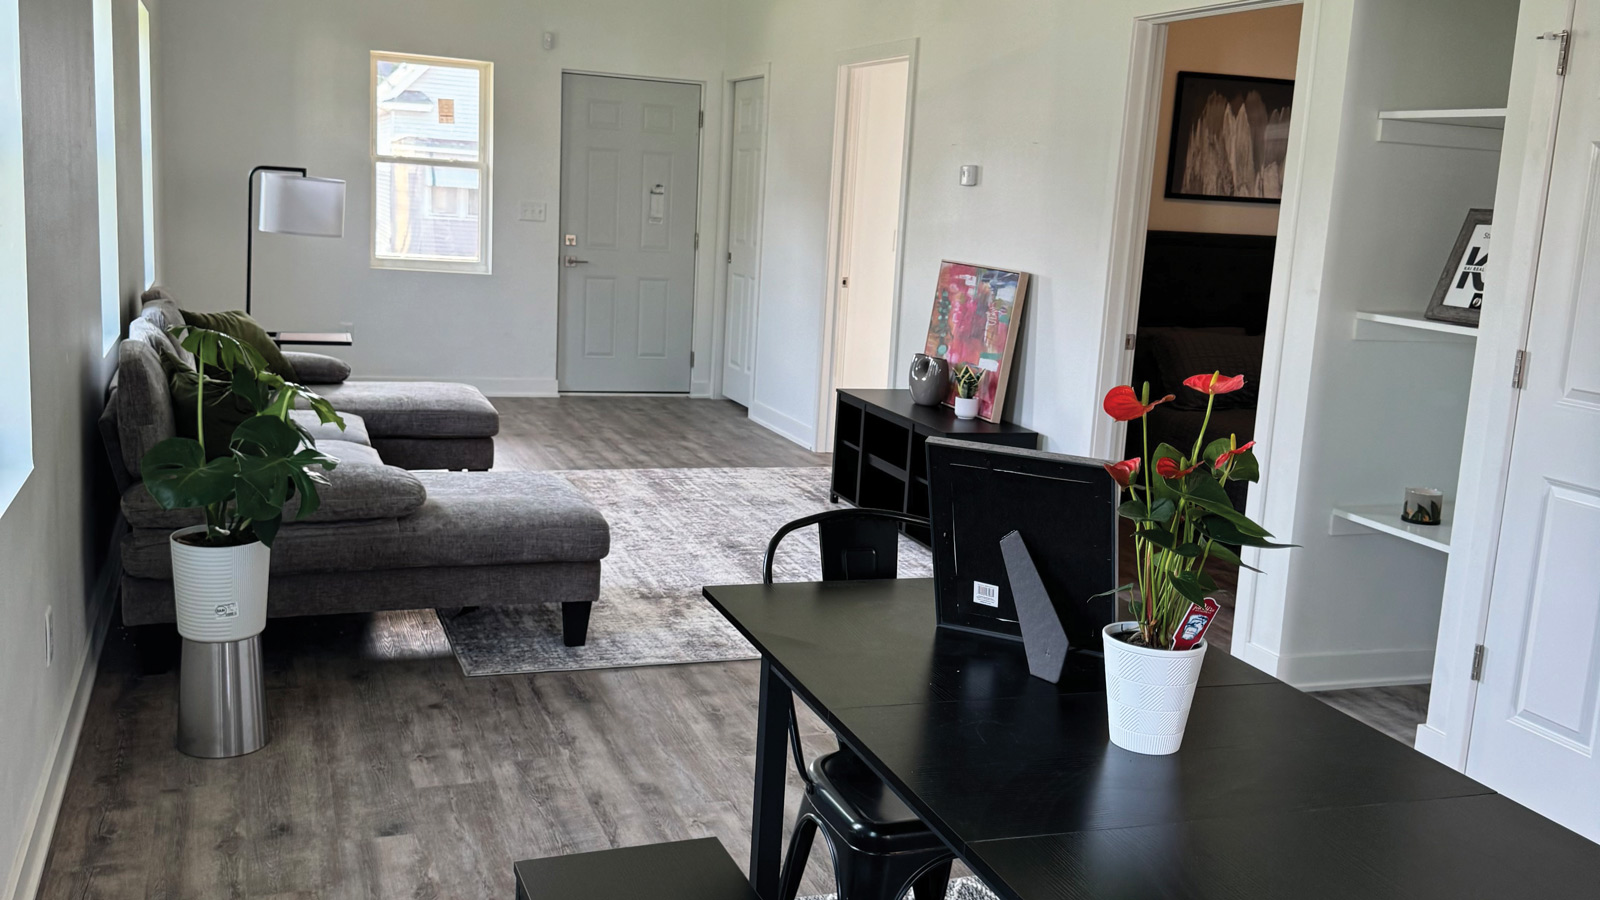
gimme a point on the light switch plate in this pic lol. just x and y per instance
(532, 212)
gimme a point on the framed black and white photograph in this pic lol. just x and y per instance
(1230, 138)
(1459, 295)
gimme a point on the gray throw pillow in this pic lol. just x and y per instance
(317, 368)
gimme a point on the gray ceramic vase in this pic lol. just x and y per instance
(930, 379)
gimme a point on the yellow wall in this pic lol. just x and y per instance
(1263, 42)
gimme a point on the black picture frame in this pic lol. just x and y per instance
(1463, 272)
(1190, 104)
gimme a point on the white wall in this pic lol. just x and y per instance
(285, 83)
(879, 125)
(1376, 416)
(54, 536)
(1033, 91)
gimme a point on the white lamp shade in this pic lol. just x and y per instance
(296, 204)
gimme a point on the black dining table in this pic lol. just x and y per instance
(1273, 794)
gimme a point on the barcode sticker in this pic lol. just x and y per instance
(985, 594)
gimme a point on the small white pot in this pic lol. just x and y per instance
(966, 407)
(221, 592)
(1148, 692)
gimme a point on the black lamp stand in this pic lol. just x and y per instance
(250, 224)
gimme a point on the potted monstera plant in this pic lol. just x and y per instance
(1182, 518)
(219, 567)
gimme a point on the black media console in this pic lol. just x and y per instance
(880, 457)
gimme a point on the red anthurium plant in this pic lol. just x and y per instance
(1181, 512)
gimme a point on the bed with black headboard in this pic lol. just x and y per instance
(1202, 308)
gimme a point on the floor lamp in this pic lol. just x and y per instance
(291, 203)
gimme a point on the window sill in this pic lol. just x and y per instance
(432, 265)
(12, 478)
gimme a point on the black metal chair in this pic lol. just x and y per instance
(879, 847)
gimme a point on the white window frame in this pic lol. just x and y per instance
(16, 377)
(481, 265)
(105, 153)
(147, 142)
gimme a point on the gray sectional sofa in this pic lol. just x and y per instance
(385, 537)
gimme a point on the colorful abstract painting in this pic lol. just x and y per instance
(976, 311)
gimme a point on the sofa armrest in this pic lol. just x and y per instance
(356, 491)
(317, 368)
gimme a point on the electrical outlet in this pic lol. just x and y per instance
(49, 636)
(532, 212)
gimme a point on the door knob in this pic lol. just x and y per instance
(570, 261)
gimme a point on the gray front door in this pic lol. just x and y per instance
(630, 153)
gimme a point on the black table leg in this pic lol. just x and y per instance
(766, 828)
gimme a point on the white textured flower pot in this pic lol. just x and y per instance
(1148, 692)
(221, 592)
(966, 407)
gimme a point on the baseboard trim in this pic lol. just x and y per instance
(1372, 668)
(1257, 656)
(491, 386)
(783, 424)
(27, 870)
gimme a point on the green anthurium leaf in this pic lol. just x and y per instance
(1189, 550)
(1185, 584)
(177, 475)
(1205, 580)
(1206, 492)
(1222, 552)
(1116, 590)
(1222, 529)
(266, 436)
(1139, 511)
(1159, 536)
(267, 529)
(1245, 467)
(1216, 448)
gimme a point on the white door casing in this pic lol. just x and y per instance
(629, 198)
(747, 168)
(1536, 724)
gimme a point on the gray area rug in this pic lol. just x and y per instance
(960, 889)
(673, 531)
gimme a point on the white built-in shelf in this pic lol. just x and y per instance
(1409, 326)
(1464, 129)
(1385, 518)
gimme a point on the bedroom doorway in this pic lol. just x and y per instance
(1200, 266)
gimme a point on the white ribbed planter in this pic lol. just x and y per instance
(966, 407)
(221, 592)
(1148, 692)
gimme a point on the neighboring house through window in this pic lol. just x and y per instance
(105, 152)
(16, 378)
(147, 150)
(430, 159)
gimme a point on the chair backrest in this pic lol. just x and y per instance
(856, 544)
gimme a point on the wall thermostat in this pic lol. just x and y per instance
(969, 176)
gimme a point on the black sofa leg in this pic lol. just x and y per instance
(575, 622)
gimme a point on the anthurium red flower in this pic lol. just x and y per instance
(1122, 472)
(1123, 404)
(1226, 455)
(1214, 383)
(1167, 467)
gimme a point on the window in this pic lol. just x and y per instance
(147, 147)
(16, 379)
(430, 163)
(105, 155)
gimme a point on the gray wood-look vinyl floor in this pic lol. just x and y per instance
(389, 774)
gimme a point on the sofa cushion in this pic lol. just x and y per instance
(417, 409)
(144, 404)
(468, 519)
(355, 430)
(238, 325)
(317, 368)
(360, 488)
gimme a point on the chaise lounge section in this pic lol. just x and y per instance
(384, 538)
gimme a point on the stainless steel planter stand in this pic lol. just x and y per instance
(222, 709)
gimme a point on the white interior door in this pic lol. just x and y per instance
(1534, 730)
(630, 171)
(744, 238)
(869, 233)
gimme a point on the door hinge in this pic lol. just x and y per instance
(691, 359)
(1519, 373)
(702, 118)
(1563, 39)
(1477, 663)
(845, 282)
(697, 240)
(730, 257)
(1128, 341)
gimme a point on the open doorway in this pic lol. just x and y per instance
(1217, 157)
(872, 140)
